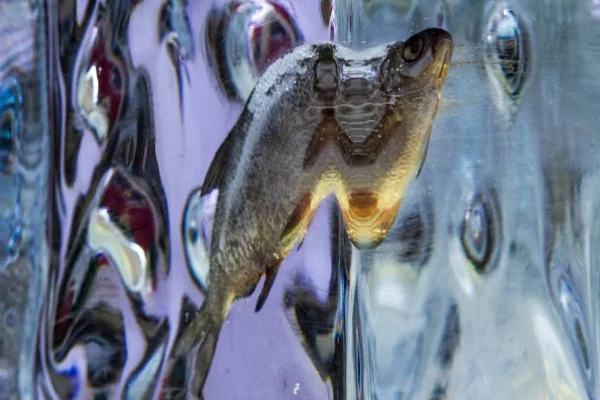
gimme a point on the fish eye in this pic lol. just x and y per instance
(413, 49)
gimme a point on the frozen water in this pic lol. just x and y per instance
(486, 287)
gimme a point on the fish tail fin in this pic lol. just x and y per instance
(193, 333)
(202, 332)
(270, 274)
(203, 361)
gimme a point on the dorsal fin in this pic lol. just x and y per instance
(214, 175)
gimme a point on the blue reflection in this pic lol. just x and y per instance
(10, 118)
(11, 102)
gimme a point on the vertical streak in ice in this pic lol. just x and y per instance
(347, 27)
(35, 151)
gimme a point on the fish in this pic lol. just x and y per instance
(322, 120)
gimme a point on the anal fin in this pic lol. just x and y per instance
(270, 274)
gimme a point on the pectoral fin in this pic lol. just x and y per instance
(423, 155)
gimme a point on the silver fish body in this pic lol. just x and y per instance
(323, 119)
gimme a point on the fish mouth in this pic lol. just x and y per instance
(443, 52)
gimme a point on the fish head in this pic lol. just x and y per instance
(417, 64)
(412, 74)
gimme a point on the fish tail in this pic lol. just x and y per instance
(203, 361)
(203, 333)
